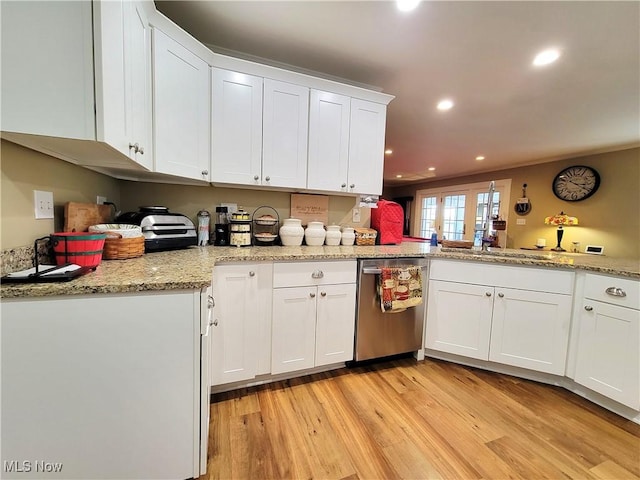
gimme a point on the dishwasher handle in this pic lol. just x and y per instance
(378, 270)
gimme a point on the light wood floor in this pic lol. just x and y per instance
(408, 419)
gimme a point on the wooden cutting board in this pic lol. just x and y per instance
(79, 216)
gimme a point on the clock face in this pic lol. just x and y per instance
(576, 183)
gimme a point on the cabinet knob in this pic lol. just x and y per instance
(252, 274)
(134, 146)
(588, 308)
(488, 294)
(615, 292)
(344, 185)
(501, 295)
(215, 322)
(267, 178)
(205, 172)
(210, 302)
(312, 295)
(323, 294)
(317, 274)
(256, 178)
(353, 185)
(141, 151)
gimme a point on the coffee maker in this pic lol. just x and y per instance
(221, 227)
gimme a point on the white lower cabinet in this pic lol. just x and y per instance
(608, 359)
(313, 314)
(525, 327)
(242, 322)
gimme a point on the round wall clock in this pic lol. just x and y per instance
(576, 183)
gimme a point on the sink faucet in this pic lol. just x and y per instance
(487, 220)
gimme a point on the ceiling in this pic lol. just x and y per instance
(477, 53)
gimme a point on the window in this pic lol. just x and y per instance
(451, 211)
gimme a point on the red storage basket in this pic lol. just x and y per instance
(388, 220)
(81, 248)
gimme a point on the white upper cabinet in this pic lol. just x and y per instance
(285, 135)
(236, 127)
(49, 112)
(328, 166)
(181, 109)
(123, 79)
(366, 146)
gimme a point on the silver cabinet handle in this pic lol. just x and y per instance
(588, 308)
(353, 185)
(312, 295)
(616, 292)
(252, 273)
(501, 295)
(210, 302)
(141, 151)
(135, 147)
(317, 274)
(215, 322)
(344, 185)
(488, 294)
(205, 172)
(267, 178)
(256, 178)
(323, 294)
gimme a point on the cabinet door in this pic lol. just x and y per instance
(328, 141)
(366, 146)
(236, 127)
(285, 130)
(294, 329)
(530, 330)
(335, 323)
(459, 318)
(123, 78)
(608, 344)
(234, 334)
(181, 110)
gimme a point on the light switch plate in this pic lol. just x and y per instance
(355, 216)
(521, 221)
(43, 204)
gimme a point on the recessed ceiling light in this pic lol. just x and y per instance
(407, 5)
(388, 151)
(546, 57)
(431, 169)
(445, 104)
(479, 157)
(398, 176)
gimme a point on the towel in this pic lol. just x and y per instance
(399, 288)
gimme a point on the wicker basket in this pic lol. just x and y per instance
(457, 243)
(123, 248)
(365, 236)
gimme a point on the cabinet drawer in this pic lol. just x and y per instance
(292, 274)
(622, 291)
(508, 276)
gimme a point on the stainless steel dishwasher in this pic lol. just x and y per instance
(381, 334)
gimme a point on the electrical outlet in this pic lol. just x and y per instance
(100, 200)
(521, 221)
(355, 215)
(43, 204)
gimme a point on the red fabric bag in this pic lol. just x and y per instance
(388, 220)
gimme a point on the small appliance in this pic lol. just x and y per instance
(162, 230)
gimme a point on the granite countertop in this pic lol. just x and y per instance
(192, 268)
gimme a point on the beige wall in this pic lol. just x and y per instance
(24, 170)
(611, 217)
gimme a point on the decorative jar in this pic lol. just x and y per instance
(291, 232)
(314, 234)
(333, 236)
(348, 236)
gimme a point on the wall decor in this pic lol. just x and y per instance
(576, 183)
(523, 205)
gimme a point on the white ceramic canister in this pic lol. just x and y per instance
(291, 232)
(333, 235)
(348, 236)
(314, 234)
